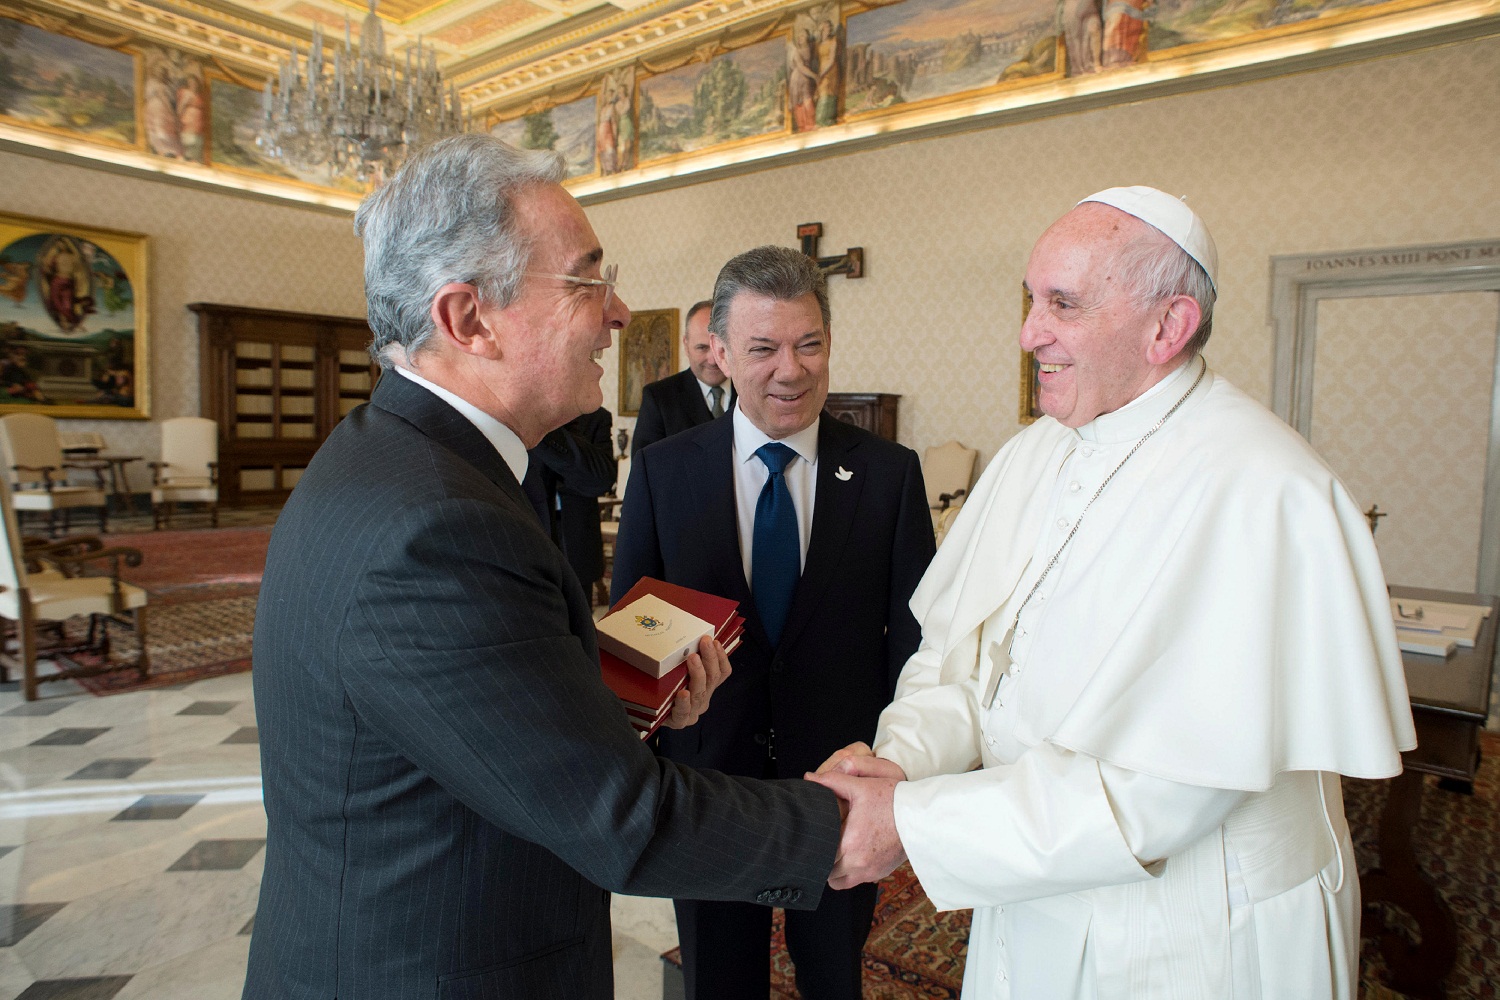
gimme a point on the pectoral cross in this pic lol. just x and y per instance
(851, 264)
(1373, 515)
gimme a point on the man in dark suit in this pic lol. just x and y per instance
(821, 531)
(695, 395)
(567, 474)
(449, 788)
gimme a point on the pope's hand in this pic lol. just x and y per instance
(707, 669)
(870, 848)
(852, 750)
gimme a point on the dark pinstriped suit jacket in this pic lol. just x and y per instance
(447, 782)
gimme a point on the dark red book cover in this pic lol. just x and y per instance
(648, 699)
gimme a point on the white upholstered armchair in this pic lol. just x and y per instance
(189, 468)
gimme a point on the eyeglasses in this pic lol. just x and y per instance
(608, 281)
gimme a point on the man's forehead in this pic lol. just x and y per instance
(559, 231)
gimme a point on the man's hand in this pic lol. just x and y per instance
(852, 750)
(707, 669)
(870, 848)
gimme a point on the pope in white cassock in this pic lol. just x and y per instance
(1153, 639)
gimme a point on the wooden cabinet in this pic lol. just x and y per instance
(276, 383)
(874, 411)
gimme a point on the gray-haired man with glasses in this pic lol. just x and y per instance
(450, 790)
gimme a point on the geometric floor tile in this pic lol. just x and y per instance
(245, 734)
(110, 767)
(92, 988)
(159, 807)
(208, 708)
(68, 737)
(19, 919)
(218, 855)
(41, 707)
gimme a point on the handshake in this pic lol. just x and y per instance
(870, 848)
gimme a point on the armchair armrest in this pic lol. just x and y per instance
(70, 564)
(946, 499)
(45, 470)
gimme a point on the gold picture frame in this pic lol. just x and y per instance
(1030, 385)
(74, 341)
(648, 353)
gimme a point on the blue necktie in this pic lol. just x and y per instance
(776, 554)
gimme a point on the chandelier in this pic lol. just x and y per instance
(358, 115)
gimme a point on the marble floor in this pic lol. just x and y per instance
(131, 846)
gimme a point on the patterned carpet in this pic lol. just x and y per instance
(203, 587)
(916, 954)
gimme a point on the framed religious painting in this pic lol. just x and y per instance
(1030, 383)
(73, 336)
(648, 353)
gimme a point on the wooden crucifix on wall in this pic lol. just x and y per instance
(851, 263)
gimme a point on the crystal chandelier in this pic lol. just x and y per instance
(357, 116)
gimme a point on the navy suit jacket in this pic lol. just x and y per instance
(849, 630)
(672, 405)
(448, 783)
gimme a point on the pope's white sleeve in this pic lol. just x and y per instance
(932, 727)
(1053, 822)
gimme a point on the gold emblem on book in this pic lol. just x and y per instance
(651, 623)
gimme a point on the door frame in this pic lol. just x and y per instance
(1299, 282)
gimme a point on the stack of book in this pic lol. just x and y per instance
(647, 681)
(1434, 627)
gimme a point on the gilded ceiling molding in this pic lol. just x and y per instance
(263, 49)
(692, 23)
(485, 70)
(75, 26)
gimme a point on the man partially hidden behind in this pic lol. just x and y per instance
(566, 474)
(1155, 636)
(820, 530)
(697, 394)
(448, 783)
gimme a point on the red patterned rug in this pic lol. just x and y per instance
(203, 587)
(915, 953)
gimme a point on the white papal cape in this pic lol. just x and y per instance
(1137, 791)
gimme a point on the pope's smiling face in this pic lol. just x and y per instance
(776, 351)
(1088, 331)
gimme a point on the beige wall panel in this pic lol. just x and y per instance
(1401, 410)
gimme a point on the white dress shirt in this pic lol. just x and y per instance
(504, 440)
(750, 475)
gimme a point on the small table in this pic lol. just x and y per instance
(1450, 700)
(119, 482)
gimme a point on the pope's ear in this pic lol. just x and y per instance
(1175, 330)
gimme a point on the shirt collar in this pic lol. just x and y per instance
(748, 438)
(501, 437)
(704, 388)
(1140, 414)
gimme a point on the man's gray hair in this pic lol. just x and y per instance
(1156, 268)
(775, 272)
(447, 216)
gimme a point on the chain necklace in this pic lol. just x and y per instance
(1137, 447)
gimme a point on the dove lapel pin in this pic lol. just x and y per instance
(843, 475)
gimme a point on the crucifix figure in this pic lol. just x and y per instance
(851, 264)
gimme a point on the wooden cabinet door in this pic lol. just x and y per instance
(277, 383)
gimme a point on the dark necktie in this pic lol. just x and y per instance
(776, 553)
(717, 392)
(536, 491)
